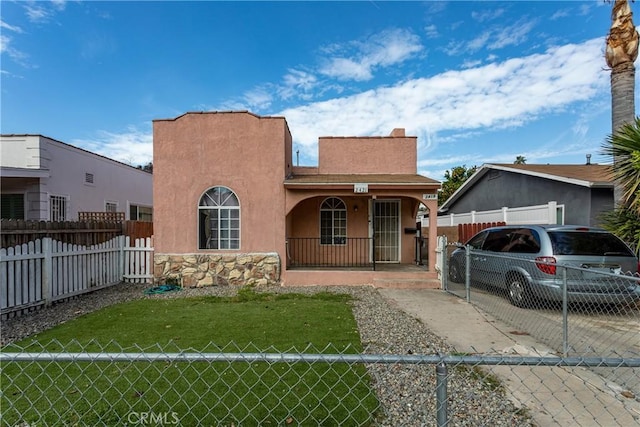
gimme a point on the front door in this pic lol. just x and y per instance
(386, 230)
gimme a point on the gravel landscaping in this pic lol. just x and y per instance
(407, 392)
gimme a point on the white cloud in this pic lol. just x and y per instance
(37, 12)
(347, 69)
(298, 83)
(447, 108)
(496, 96)
(561, 13)
(16, 55)
(497, 37)
(358, 60)
(10, 27)
(487, 15)
(133, 146)
(258, 98)
(514, 34)
(431, 31)
(43, 11)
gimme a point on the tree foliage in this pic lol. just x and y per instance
(520, 160)
(147, 168)
(624, 223)
(453, 179)
(624, 147)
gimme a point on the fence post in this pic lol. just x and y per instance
(552, 212)
(467, 272)
(121, 243)
(47, 270)
(565, 317)
(441, 394)
(445, 263)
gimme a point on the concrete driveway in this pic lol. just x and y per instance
(553, 395)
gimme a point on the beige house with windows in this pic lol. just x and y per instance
(44, 179)
(231, 208)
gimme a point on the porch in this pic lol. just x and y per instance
(359, 229)
(400, 276)
(353, 262)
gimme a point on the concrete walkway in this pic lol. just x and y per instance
(554, 396)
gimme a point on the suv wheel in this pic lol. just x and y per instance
(454, 272)
(519, 293)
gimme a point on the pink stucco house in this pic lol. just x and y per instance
(231, 208)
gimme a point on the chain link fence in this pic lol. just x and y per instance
(588, 313)
(93, 384)
(587, 375)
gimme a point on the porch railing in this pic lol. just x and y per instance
(350, 252)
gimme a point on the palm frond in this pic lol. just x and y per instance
(624, 148)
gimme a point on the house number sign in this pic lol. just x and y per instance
(433, 196)
(360, 188)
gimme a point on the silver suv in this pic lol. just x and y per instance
(524, 261)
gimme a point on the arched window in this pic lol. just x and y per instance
(333, 222)
(219, 219)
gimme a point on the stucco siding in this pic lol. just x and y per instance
(241, 151)
(24, 151)
(369, 155)
(113, 182)
(601, 201)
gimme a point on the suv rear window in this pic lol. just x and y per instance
(587, 243)
(513, 240)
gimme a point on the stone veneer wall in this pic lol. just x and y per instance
(198, 270)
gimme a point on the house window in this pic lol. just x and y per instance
(58, 208)
(12, 206)
(140, 213)
(219, 219)
(333, 222)
(111, 207)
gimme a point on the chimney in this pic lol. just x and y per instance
(588, 159)
(397, 132)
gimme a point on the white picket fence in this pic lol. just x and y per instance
(45, 270)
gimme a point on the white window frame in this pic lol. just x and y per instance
(137, 216)
(57, 213)
(112, 204)
(222, 206)
(336, 208)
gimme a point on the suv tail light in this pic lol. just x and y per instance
(547, 267)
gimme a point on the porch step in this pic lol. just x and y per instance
(407, 283)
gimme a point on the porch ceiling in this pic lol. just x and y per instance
(382, 180)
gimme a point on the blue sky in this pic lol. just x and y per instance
(477, 82)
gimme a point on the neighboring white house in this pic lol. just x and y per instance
(45, 179)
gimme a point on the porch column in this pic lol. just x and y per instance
(432, 205)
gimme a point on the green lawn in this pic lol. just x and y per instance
(196, 393)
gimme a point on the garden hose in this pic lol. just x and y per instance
(161, 289)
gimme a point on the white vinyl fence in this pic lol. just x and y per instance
(551, 213)
(45, 270)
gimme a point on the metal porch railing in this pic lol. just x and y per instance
(349, 252)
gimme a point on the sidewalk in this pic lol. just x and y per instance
(552, 395)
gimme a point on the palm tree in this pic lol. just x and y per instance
(520, 160)
(624, 146)
(621, 52)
